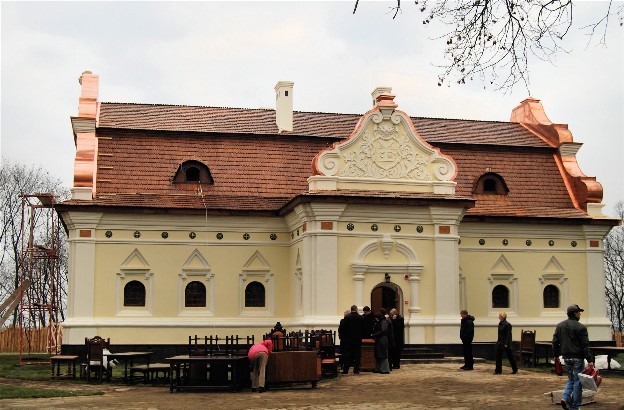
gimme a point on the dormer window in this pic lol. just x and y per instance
(491, 184)
(193, 172)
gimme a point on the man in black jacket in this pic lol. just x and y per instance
(571, 341)
(503, 343)
(466, 334)
(398, 327)
(352, 332)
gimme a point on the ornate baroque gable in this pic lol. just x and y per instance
(384, 153)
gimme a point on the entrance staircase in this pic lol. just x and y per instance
(420, 355)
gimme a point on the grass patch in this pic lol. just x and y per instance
(19, 392)
(10, 368)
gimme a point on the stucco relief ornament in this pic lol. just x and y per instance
(386, 154)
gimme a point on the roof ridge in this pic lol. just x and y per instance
(298, 111)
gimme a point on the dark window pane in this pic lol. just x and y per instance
(489, 185)
(500, 297)
(195, 295)
(551, 296)
(254, 295)
(192, 174)
(134, 294)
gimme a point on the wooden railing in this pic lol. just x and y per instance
(34, 340)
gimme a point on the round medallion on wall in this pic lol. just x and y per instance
(109, 234)
(397, 228)
(551, 243)
(137, 234)
(505, 242)
(219, 236)
(246, 236)
(529, 242)
(273, 236)
(481, 241)
(192, 235)
(165, 235)
(374, 227)
(420, 229)
(350, 227)
(573, 243)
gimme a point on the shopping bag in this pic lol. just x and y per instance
(593, 373)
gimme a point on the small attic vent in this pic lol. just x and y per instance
(491, 184)
(193, 172)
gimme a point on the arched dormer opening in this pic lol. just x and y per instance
(193, 172)
(491, 184)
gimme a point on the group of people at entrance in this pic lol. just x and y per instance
(386, 329)
(570, 341)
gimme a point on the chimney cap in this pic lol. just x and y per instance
(283, 84)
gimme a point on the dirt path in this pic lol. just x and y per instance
(440, 386)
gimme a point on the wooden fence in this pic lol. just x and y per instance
(35, 340)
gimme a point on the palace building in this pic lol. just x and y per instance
(192, 220)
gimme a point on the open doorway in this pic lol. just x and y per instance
(386, 295)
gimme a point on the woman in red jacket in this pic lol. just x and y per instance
(259, 356)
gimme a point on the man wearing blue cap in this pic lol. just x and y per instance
(571, 341)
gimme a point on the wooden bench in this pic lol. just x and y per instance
(150, 372)
(56, 362)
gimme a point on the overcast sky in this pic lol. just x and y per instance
(232, 54)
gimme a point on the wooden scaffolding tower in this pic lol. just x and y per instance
(40, 279)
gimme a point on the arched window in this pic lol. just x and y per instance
(195, 295)
(551, 296)
(500, 297)
(254, 295)
(193, 172)
(134, 294)
(491, 184)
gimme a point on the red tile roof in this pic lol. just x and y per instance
(255, 169)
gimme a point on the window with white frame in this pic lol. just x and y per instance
(196, 286)
(135, 286)
(256, 287)
(503, 293)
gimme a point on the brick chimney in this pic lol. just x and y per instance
(284, 105)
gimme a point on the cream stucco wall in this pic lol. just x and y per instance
(316, 267)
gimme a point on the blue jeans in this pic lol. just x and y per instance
(574, 390)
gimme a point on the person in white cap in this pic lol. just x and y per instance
(571, 341)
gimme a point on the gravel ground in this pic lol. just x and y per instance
(415, 386)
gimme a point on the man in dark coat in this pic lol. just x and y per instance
(398, 327)
(352, 332)
(571, 341)
(369, 323)
(503, 343)
(466, 334)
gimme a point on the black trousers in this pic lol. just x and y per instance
(468, 359)
(352, 355)
(395, 357)
(510, 356)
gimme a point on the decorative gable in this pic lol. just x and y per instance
(384, 152)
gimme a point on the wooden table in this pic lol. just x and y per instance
(546, 348)
(608, 350)
(291, 366)
(71, 366)
(126, 358)
(208, 372)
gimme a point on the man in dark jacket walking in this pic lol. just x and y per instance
(352, 332)
(503, 343)
(466, 334)
(571, 341)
